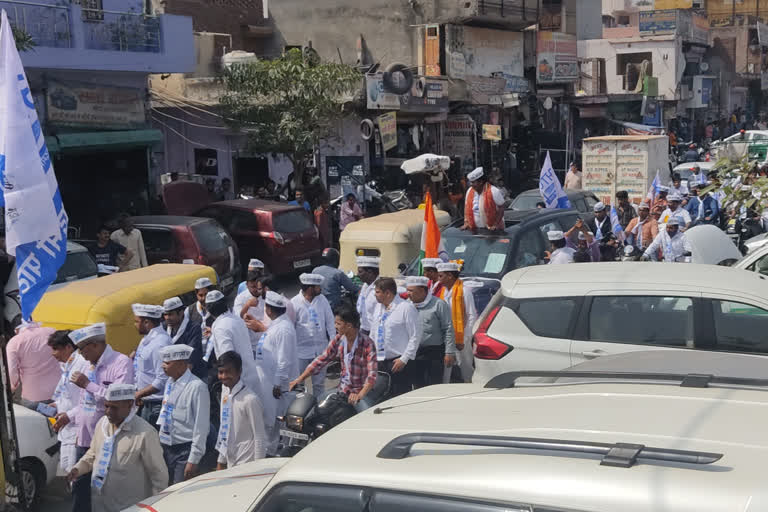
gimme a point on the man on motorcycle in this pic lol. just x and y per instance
(336, 281)
(674, 245)
(643, 229)
(674, 210)
(357, 354)
(692, 155)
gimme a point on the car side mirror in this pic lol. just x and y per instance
(401, 267)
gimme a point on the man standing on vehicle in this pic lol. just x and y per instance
(484, 204)
(573, 178)
(673, 243)
(335, 280)
(106, 366)
(643, 229)
(277, 364)
(185, 417)
(31, 366)
(463, 314)
(126, 457)
(242, 437)
(437, 350)
(396, 330)
(314, 325)
(674, 210)
(109, 253)
(357, 354)
(561, 254)
(624, 208)
(184, 332)
(429, 267)
(147, 363)
(131, 239)
(368, 272)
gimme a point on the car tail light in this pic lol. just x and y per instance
(486, 347)
(278, 237)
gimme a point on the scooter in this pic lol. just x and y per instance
(306, 419)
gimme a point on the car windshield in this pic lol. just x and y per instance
(482, 256)
(292, 221)
(78, 265)
(526, 202)
(210, 237)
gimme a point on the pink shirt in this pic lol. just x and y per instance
(31, 364)
(348, 214)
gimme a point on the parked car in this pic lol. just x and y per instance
(38, 454)
(281, 235)
(685, 171)
(555, 317)
(177, 239)
(755, 261)
(635, 444)
(582, 201)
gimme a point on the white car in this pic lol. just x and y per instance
(38, 453)
(637, 443)
(555, 316)
(755, 261)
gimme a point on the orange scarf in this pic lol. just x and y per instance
(494, 218)
(457, 309)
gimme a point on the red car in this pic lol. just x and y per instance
(281, 235)
(177, 239)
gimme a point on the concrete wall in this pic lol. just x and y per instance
(589, 22)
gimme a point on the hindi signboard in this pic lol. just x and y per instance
(388, 130)
(556, 58)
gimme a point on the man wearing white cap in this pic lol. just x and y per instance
(368, 272)
(148, 373)
(643, 229)
(484, 204)
(672, 243)
(429, 267)
(105, 367)
(314, 325)
(125, 458)
(661, 197)
(463, 314)
(561, 253)
(249, 305)
(198, 314)
(184, 420)
(228, 333)
(277, 364)
(257, 267)
(437, 350)
(601, 224)
(396, 331)
(183, 332)
(674, 210)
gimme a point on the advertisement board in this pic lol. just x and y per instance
(673, 4)
(388, 130)
(83, 105)
(556, 58)
(658, 22)
(434, 97)
(492, 132)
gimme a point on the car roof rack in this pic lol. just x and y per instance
(686, 380)
(620, 455)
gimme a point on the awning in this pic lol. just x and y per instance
(102, 141)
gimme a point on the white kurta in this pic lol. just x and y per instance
(257, 313)
(680, 213)
(313, 331)
(561, 256)
(366, 305)
(478, 205)
(277, 365)
(672, 249)
(229, 333)
(67, 398)
(466, 357)
(247, 436)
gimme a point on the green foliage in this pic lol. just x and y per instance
(288, 105)
(741, 184)
(23, 40)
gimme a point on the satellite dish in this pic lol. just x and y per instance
(704, 66)
(548, 103)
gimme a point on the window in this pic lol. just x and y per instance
(485, 257)
(243, 221)
(628, 66)
(740, 327)
(78, 265)
(293, 221)
(223, 216)
(760, 265)
(642, 320)
(546, 228)
(567, 222)
(581, 205)
(210, 237)
(157, 240)
(758, 136)
(530, 249)
(206, 161)
(591, 202)
(550, 318)
(93, 10)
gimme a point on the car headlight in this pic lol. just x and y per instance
(295, 423)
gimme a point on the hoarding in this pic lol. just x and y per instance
(556, 58)
(658, 22)
(388, 130)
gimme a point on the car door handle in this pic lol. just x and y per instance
(591, 354)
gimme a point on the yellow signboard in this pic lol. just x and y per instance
(388, 130)
(673, 4)
(491, 132)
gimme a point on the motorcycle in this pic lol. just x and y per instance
(306, 419)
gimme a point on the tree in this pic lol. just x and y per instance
(288, 105)
(741, 184)
(23, 40)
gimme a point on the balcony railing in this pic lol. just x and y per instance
(47, 25)
(121, 31)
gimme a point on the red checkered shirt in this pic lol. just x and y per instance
(364, 364)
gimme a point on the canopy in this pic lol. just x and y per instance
(426, 163)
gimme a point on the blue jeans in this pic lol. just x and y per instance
(366, 403)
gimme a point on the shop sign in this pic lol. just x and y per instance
(388, 130)
(556, 59)
(658, 22)
(85, 105)
(492, 132)
(670, 4)
(458, 135)
(433, 98)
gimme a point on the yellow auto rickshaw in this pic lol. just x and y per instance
(109, 299)
(394, 237)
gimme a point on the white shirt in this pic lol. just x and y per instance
(135, 243)
(277, 364)
(680, 213)
(366, 305)
(257, 313)
(247, 436)
(672, 249)
(401, 330)
(67, 399)
(190, 415)
(148, 362)
(229, 333)
(314, 325)
(470, 313)
(478, 211)
(562, 256)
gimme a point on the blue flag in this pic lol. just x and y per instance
(35, 220)
(616, 225)
(549, 187)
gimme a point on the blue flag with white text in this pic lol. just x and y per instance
(616, 225)
(550, 189)
(35, 220)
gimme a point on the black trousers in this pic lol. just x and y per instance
(402, 381)
(428, 366)
(81, 488)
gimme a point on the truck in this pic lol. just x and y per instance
(624, 162)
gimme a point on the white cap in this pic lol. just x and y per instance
(276, 300)
(663, 188)
(255, 264)
(203, 282)
(449, 266)
(172, 304)
(555, 235)
(473, 284)
(368, 261)
(180, 352)
(582, 236)
(311, 279)
(674, 221)
(476, 174)
(599, 207)
(147, 310)
(119, 392)
(401, 290)
(88, 332)
(674, 196)
(106, 269)
(431, 262)
(213, 296)
(643, 206)
(416, 281)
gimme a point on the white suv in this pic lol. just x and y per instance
(634, 442)
(551, 317)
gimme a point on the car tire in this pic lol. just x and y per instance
(389, 83)
(32, 482)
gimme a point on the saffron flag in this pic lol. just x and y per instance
(35, 220)
(431, 240)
